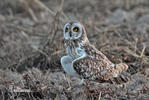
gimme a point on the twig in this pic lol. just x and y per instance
(58, 52)
(142, 52)
(32, 14)
(45, 7)
(56, 21)
(132, 53)
(49, 10)
(54, 27)
(99, 96)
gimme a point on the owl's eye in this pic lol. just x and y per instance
(66, 30)
(75, 29)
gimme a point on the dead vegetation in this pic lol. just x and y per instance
(31, 45)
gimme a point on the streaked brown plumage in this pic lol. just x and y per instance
(88, 62)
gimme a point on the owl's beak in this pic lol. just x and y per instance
(70, 34)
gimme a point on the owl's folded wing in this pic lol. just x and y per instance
(92, 69)
(95, 53)
(95, 70)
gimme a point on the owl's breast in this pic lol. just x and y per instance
(74, 52)
(75, 48)
(71, 52)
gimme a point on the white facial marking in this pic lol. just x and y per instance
(64, 31)
(70, 34)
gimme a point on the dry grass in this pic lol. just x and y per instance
(31, 45)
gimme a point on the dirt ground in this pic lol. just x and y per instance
(31, 45)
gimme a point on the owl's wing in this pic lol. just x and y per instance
(92, 69)
(92, 52)
(96, 54)
(96, 66)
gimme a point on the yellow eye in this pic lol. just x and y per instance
(66, 30)
(75, 29)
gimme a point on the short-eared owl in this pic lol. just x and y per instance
(84, 60)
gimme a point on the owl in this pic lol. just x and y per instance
(85, 61)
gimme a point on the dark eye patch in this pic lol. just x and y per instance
(75, 29)
(66, 29)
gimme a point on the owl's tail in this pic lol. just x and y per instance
(115, 76)
(121, 67)
(121, 79)
(118, 78)
(116, 70)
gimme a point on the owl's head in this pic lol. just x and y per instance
(73, 30)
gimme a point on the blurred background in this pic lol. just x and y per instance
(31, 29)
